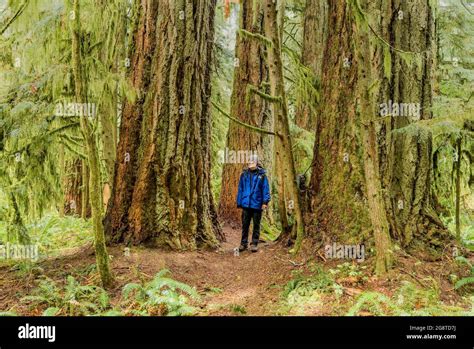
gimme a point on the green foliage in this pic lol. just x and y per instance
(469, 279)
(54, 235)
(408, 300)
(26, 268)
(371, 301)
(301, 285)
(304, 292)
(238, 309)
(71, 299)
(215, 290)
(160, 296)
(350, 270)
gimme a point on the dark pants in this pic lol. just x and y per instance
(247, 215)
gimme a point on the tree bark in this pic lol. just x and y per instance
(85, 201)
(165, 197)
(250, 70)
(338, 200)
(289, 199)
(368, 63)
(72, 187)
(355, 148)
(127, 158)
(314, 40)
(406, 155)
(102, 257)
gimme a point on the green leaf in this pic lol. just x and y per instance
(464, 281)
(51, 311)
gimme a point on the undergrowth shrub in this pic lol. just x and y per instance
(73, 299)
(161, 296)
(409, 300)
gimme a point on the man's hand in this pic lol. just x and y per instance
(264, 206)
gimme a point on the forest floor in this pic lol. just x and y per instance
(248, 284)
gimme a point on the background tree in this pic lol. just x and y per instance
(250, 70)
(312, 53)
(288, 198)
(80, 87)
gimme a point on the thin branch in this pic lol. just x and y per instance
(263, 39)
(289, 35)
(50, 133)
(253, 128)
(264, 95)
(15, 16)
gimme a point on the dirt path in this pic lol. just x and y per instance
(246, 284)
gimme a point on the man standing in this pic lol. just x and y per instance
(253, 197)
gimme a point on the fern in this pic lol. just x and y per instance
(73, 299)
(467, 280)
(373, 300)
(161, 296)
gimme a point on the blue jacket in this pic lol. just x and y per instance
(254, 190)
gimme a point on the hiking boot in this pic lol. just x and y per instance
(242, 248)
(254, 248)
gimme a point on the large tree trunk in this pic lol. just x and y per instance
(250, 70)
(337, 187)
(127, 157)
(314, 40)
(368, 63)
(406, 155)
(353, 151)
(289, 200)
(164, 196)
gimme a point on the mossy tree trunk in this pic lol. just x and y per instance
(164, 196)
(110, 55)
(102, 257)
(127, 154)
(368, 58)
(289, 200)
(315, 22)
(338, 199)
(355, 149)
(16, 229)
(73, 187)
(85, 190)
(405, 149)
(458, 187)
(250, 70)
